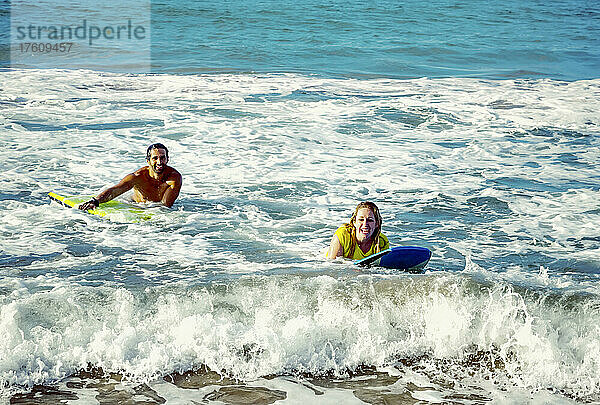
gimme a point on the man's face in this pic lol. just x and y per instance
(158, 160)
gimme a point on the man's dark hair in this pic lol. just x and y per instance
(156, 146)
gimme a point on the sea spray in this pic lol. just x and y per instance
(297, 324)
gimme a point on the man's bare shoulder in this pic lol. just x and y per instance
(141, 175)
(142, 171)
(173, 175)
(135, 177)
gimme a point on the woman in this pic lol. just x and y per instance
(361, 237)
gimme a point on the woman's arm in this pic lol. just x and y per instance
(335, 248)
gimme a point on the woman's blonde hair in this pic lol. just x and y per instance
(350, 227)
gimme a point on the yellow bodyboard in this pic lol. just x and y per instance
(111, 209)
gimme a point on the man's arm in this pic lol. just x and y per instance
(110, 193)
(173, 191)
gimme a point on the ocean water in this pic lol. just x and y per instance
(393, 39)
(473, 126)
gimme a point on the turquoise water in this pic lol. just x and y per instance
(473, 126)
(525, 39)
(382, 38)
(395, 39)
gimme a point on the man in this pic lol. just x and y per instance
(156, 182)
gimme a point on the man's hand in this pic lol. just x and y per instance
(89, 205)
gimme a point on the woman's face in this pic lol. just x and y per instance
(365, 224)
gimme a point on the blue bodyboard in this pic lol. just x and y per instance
(408, 258)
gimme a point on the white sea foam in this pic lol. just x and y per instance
(273, 325)
(498, 178)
